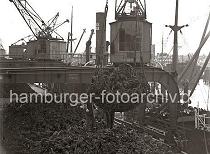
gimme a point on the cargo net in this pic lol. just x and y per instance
(121, 79)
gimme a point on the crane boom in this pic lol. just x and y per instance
(195, 57)
(31, 17)
(84, 30)
(38, 27)
(200, 74)
(91, 35)
(51, 24)
(53, 20)
(88, 43)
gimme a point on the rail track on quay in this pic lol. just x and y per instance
(157, 134)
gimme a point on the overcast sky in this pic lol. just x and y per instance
(159, 12)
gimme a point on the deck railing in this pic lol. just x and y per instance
(66, 57)
(202, 121)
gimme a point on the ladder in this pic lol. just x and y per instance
(202, 122)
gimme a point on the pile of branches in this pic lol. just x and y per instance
(28, 123)
(122, 79)
(61, 129)
(119, 140)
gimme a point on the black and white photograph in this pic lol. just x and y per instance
(104, 77)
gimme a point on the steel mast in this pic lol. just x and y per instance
(175, 28)
(71, 31)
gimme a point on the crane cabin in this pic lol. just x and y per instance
(131, 34)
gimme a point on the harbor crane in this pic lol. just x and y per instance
(88, 44)
(1, 46)
(84, 31)
(37, 25)
(23, 40)
(2, 50)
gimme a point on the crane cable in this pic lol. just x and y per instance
(106, 8)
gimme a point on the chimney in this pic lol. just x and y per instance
(100, 38)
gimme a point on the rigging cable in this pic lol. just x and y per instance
(208, 98)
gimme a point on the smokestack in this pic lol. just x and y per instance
(100, 38)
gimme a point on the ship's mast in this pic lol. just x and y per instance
(71, 31)
(175, 28)
(162, 50)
